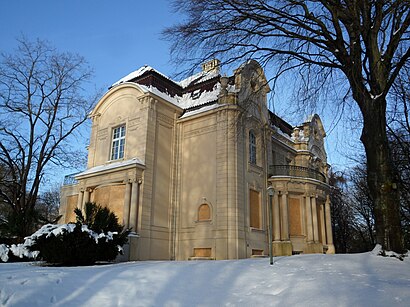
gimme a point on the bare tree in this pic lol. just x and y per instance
(399, 136)
(352, 211)
(42, 104)
(361, 201)
(364, 42)
(342, 215)
(48, 204)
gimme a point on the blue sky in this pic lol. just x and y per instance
(117, 37)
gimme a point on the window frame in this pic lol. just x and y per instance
(252, 147)
(118, 142)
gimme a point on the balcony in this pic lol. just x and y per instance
(295, 171)
(69, 179)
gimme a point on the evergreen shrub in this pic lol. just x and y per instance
(96, 236)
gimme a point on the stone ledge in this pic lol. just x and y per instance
(201, 258)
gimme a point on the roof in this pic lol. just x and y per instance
(198, 78)
(138, 73)
(192, 92)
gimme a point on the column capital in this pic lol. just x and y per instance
(134, 180)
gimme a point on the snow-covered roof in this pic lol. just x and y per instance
(157, 92)
(139, 72)
(198, 78)
(110, 167)
(188, 100)
(202, 109)
(192, 94)
(198, 98)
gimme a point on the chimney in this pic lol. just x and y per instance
(211, 66)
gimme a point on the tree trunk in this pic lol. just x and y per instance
(381, 176)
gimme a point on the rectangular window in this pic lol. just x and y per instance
(257, 252)
(255, 209)
(252, 147)
(118, 143)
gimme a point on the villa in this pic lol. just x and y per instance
(201, 168)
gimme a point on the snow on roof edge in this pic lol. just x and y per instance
(110, 166)
(139, 72)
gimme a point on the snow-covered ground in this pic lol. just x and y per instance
(304, 280)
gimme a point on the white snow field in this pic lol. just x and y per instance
(302, 280)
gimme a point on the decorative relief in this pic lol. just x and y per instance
(200, 131)
(102, 134)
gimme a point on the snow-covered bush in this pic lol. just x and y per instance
(17, 252)
(4, 252)
(74, 244)
(379, 251)
(96, 236)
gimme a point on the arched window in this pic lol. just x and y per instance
(252, 147)
(204, 212)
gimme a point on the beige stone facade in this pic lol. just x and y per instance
(187, 165)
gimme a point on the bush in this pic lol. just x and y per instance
(97, 236)
(16, 253)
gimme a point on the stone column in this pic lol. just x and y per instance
(314, 218)
(86, 197)
(285, 216)
(80, 199)
(329, 235)
(322, 223)
(127, 203)
(276, 217)
(309, 225)
(134, 206)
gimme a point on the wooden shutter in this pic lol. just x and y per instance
(255, 214)
(204, 213)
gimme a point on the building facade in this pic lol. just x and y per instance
(200, 169)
